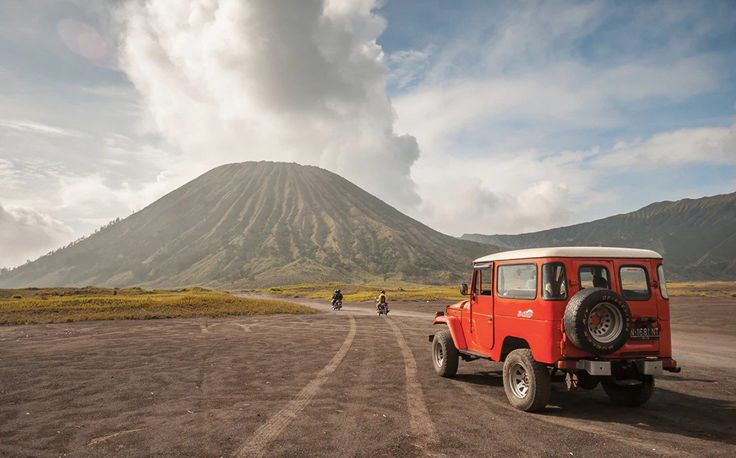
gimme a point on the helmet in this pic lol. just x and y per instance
(337, 290)
(383, 292)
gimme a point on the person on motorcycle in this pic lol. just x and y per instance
(381, 300)
(336, 297)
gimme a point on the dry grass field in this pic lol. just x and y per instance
(367, 292)
(56, 305)
(702, 288)
(418, 292)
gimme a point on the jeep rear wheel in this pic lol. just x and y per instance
(444, 354)
(526, 382)
(630, 393)
(597, 320)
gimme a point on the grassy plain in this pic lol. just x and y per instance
(417, 292)
(55, 305)
(702, 288)
(368, 292)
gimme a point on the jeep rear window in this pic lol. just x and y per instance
(594, 277)
(517, 281)
(634, 283)
(554, 281)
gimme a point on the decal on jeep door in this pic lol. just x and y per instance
(525, 314)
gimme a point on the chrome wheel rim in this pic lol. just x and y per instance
(605, 322)
(439, 355)
(519, 380)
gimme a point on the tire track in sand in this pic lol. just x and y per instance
(350, 435)
(419, 421)
(267, 432)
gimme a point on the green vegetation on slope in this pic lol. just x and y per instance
(697, 237)
(43, 306)
(257, 224)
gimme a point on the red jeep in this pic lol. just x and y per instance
(580, 314)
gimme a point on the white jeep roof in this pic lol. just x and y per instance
(572, 252)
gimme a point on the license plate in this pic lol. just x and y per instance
(645, 333)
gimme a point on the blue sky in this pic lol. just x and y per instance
(620, 33)
(486, 117)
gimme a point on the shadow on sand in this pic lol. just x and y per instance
(667, 411)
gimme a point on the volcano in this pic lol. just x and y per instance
(257, 224)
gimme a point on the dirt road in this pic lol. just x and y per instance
(334, 384)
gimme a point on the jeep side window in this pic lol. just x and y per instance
(517, 281)
(554, 281)
(634, 283)
(662, 282)
(476, 282)
(594, 277)
(486, 281)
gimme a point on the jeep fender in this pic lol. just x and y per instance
(456, 330)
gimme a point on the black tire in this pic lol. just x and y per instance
(534, 387)
(632, 394)
(578, 314)
(587, 381)
(443, 346)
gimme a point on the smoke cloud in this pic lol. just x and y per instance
(302, 81)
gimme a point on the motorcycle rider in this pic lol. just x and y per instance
(336, 297)
(381, 300)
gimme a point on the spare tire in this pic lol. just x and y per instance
(597, 320)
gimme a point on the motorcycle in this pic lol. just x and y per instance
(336, 304)
(382, 309)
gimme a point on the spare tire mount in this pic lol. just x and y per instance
(597, 320)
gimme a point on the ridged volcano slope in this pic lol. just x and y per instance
(697, 237)
(257, 224)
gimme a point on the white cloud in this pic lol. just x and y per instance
(527, 190)
(26, 234)
(495, 107)
(408, 65)
(301, 81)
(124, 177)
(23, 125)
(565, 94)
(704, 145)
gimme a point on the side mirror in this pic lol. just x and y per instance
(464, 289)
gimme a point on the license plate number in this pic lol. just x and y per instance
(645, 333)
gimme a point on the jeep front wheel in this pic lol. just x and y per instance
(527, 383)
(444, 354)
(630, 393)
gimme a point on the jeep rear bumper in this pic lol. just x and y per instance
(644, 366)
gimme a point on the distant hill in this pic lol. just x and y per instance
(256, 224)
(697, 237)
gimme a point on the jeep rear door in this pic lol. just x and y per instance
(634, 281)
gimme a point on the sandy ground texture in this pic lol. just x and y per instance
(335, 384)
